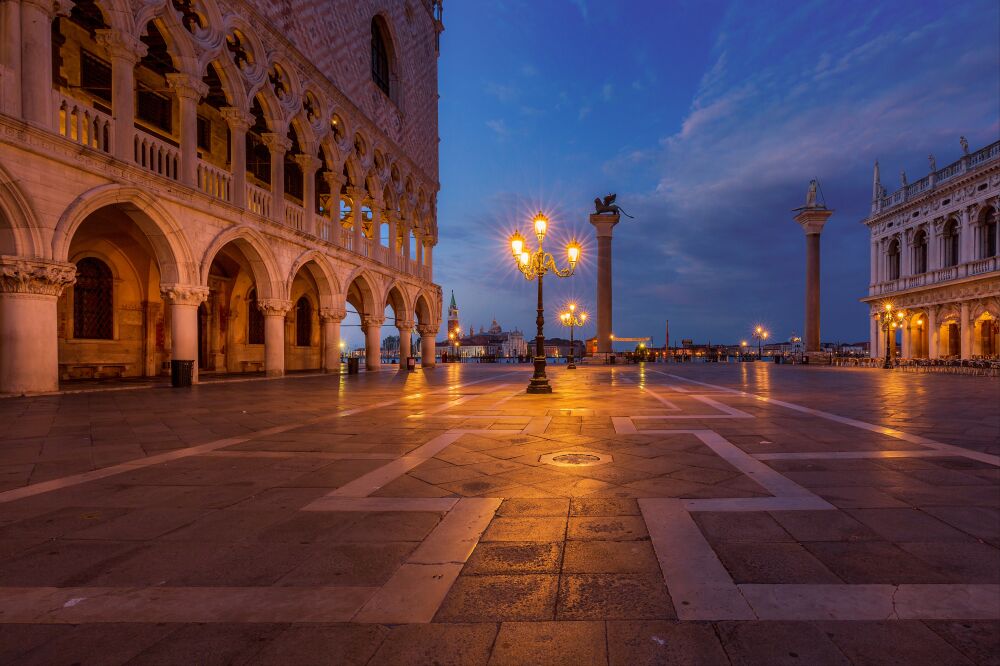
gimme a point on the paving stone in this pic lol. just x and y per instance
(546, 529)
(911, 643)
(873, 562)
(907, 525)
(444, 644)
(96, 644)
(349, 564)
(613, 597)
(776, 563)
(779, 644)
(745, 526)
(823, 526)
(503, 557)
(207, 644)
(534, 507)
(551, 643)
(599, 506)
(610, 557)
(607, 528)
(500, 599)
(663, 642)
(978, 640)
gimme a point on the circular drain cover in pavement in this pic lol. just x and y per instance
(575, 458)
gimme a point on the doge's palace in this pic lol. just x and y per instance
(934, 255)
(215, 181)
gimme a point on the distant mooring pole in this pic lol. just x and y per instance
(812, 217)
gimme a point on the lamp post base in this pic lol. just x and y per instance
(539, 382)
(571, 365)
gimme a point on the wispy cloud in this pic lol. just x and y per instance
(504, 93)
(499, 127)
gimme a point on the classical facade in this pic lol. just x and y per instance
(934, 254)
(214, 181)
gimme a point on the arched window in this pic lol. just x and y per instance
(380, 57)
(93, 300)
(258, 155)
(950, 244)
(255, 320)
(920, 252)
(893, 257)
(303, 322)
(990, 229)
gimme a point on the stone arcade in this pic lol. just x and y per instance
(934, 254)
(213, 180)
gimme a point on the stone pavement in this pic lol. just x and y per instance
(668, 514)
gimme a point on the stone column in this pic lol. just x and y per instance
(966, 240)
(331, 318)
(405, 329)
(29, 336)
(125, 51)
(274, 311)
(10, 55)
(335, 182)
(239, 122)
(309, 164)
(278, 144)
(406, 238)
(372, 327)
(812, 220)
(420, 251)
(391, 241)
(427, 345)
(965, 328)
(36, 58)
(933, 334)
(874, 263)
(604, 225)
(189, 90)
(183, 301)
(429, 257)
(907, 351)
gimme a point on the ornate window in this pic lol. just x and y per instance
(303, 322)
(893, 259)
(380, 57)
(255, 320)
(93, 300)
(920, 252)
(990, 229)
(950, 244)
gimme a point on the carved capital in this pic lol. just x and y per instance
(308, 163)
(274, 307)
(357, 195)
(334, 315)
(277, 143)
(370, 321)
(186, 86)
(238, 119)
(121, 45)
(32, 276)
(427, 330)
(51, 7)
(334, 180)
(184, 294)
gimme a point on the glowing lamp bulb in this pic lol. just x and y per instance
(573, 252)
(525, 258)
(541, 225)
(516, 244)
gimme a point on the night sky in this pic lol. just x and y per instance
(708, 119)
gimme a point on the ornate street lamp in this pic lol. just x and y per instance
(889, 320)
(761, 334)
(535, 265)
(570, 318)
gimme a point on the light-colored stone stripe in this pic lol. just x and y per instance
(805, 503)
(846, 455)
(700, 587)
(322, 455)
(79, 605)
(417, 589)
(623, 425)
(669, 405)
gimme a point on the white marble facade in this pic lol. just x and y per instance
(213, 180)
(934, 254)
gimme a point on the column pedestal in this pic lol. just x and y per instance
(604, 224)
(29, 337)
(183, 301)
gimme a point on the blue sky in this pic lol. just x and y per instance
(708, 119)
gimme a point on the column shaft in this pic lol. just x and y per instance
(405, 350)
(873, 338)
(10, 55)
(274, 344)
(373, 340)
(331, 340)
(812, 337)
(427, 347)
(965, 331)
(36, 63)
(933, 336)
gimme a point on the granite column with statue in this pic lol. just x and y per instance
(604, 224)
(812, 217)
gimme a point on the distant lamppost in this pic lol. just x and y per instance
(743, 350)
(342, 353)
(761, 335)
(535, 265)
(889, 320)
(570, 318)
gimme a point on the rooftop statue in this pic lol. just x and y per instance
(608, 205)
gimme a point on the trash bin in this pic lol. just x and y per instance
(353, 365)
(411, 363)
(611, 359)
(180, 373)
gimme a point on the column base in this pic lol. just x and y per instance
(539, 386)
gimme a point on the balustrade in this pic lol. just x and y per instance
(346, 239)
(213, 181)
(258, 200)
(156, 155)
(294, 215)
(83, 124)
(983, 266)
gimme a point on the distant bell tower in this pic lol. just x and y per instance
(453, 315)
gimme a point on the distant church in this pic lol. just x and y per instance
(494, 342)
